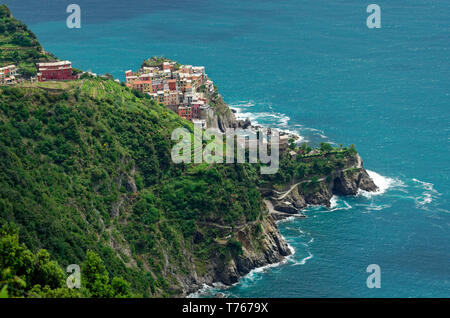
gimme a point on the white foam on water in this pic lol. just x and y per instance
(336, 204)
(375, 207)
(383, 184)
(428, 194)
(333, 202)
(243, 104)
(304, 260)
(205, 290)
(285, 220)
(268, 119)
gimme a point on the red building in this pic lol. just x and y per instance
(172, 84)
(55, 71)
(157, 86)
(185, 112)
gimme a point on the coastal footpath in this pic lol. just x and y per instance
(87, 178)
(347, 178)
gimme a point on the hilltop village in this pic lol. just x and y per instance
(181, 88)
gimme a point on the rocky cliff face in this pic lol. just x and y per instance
(347, 181)
(262, 244)
(223, 115)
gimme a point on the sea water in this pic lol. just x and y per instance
(314, 68)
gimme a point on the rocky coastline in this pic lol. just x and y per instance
(266, 248)
(279, 205)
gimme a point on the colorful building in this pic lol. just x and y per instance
(142, 86)
(185, 112)
(180, 89)
(55, 71)
(173, 85)
(8, 75)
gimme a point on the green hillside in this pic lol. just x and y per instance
(89, 167)
(18, 45)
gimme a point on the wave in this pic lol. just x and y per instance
(254, 273)
(285, 220)
(336, 203)
(266, 118)
(428, 194)
(304, 260)
(375, 207)
(263, 118)
(207, 290)
(243, 104)
(383, 184)
(333, 202)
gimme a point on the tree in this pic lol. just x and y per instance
(26, 274)
(4, 11)
(22, 40)
(352, 150)
(71, 130)
(120, 288)
(94, 276)
(325, 147)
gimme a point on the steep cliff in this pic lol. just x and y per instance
(257, 244)
(223, 115)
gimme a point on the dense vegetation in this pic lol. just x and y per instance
(157, 61)
(27, 274)
(18, 45)
(88, 167)
(305, 163)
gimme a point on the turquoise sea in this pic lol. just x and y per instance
(312, 67)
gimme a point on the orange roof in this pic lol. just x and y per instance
(142, 82)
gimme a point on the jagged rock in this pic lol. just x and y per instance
(115, 209)
(318, 196)
(131, 185)
(244, 124)
(286, 207)
(365, 182)
(269, 248)
(346, 183)
(297, 200)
